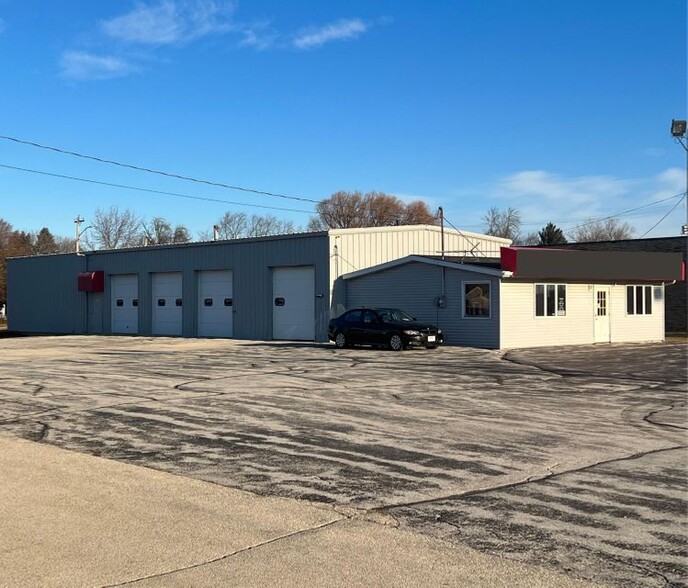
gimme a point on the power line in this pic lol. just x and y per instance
(666, 215)
(155, 171)
(137, 188)
(473, 245)
(542, 223)
(626, 211)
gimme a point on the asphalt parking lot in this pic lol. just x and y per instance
(572, 459)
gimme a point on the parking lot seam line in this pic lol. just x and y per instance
(529, 480)
(570, 373)
(647, 417)
(227, 555)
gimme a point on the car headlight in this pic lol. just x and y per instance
(412, 333)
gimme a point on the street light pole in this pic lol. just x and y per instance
(678, 131)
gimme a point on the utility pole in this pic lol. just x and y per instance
(440, 210)
(77, 221)
(678, 131)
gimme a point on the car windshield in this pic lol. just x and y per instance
(394, 315)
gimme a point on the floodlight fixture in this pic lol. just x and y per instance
(678, 128)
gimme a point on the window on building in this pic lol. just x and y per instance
(638, 299)
(476, 299)
(550, 299)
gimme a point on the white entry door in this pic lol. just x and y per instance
(293, 303)
(602, 331)
(167, 303)
(215, 304)
(124, 296)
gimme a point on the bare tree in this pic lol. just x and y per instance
(530, 239)
(503, 223)
(237, 225)
(157, 232)
(232, 225)
(418, 213)
(65, 244)
(315, 224)
(342, 210)
(611, 229)
(262, 226)
(114, 229)
(181, 234)
(345, 210)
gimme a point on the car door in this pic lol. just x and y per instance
(372, 328)
(353, 326)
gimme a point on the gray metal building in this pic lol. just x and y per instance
(263, 288)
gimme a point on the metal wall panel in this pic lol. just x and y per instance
(356, 249)
(42, 294)
(415, 287)
(49, 282)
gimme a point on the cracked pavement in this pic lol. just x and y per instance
(568, 459)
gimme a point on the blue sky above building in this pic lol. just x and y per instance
(559, 109)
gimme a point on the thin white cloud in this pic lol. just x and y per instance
(337, 31)
(169, 22)
(542, 197)
(80, 65)
(257, 36)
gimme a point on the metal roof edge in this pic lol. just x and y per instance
(429, 261)
(401, 228)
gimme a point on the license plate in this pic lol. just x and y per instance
(431, 338)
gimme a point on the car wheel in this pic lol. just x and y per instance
(340, 340)
(395, 343)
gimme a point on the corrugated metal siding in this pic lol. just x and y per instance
(251, 261)
(521, 328)
(42, 294)
(415, 288)
(362, 248)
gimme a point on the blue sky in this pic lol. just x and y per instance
(559, 109)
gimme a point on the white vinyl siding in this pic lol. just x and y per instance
(636, 327)
(520, 327)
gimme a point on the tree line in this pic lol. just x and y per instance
(507, 224)
(113, 228)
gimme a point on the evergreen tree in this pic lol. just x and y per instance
(45, 243)
(551, 235)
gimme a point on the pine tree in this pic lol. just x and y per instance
(551, 235)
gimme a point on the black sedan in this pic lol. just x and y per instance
(384, 327)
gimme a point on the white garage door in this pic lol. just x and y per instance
(215, 304)
(167, 303)
(124, 293)
(293, 303)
